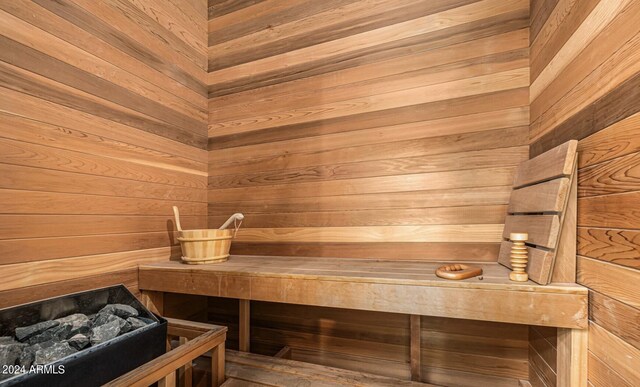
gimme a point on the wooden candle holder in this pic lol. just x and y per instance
(519, 257)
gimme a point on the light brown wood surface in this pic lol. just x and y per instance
(102, 129)
(243, 369)
(391, 111)
(544, 206)
(459, 352)
(204, 338)
(400, 287)
(584, 78)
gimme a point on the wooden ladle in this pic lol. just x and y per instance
(458, 271)
(176, 214)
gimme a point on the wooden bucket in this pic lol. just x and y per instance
(204, 246)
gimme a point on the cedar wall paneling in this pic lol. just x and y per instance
(454, 352)
(367, 128)
(370, 128)
(585, 62)
(103, 120)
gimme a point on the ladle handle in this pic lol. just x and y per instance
(176, 213)
(237, 216)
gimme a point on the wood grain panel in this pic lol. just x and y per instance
(48, 226)
(370, 129)
(620, 356)
(379, 109)
(483, 252)
(128, 277)
(323, 334)
(601, 375)
(360, 147)
(616, 317)
(103, 121)
(585, 86)
(612, 245)
(460, 115)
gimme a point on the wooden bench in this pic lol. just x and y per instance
(543, 204)
(250, 370)
(196, 339)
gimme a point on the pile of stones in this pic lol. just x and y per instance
(48, 341)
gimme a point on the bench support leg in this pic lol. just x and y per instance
(284, 353)
(154, 301)
(185, 373)
(217, 365)
(168, 381)
(416, 371)
(572, 357)
(245, 327)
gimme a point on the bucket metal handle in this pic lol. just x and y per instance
(236, 226)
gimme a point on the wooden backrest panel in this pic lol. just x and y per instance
(549, 196)
(542, 205)
(540, 261)
(543, 229)
(557, 162)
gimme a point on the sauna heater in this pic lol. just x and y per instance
(99, 363)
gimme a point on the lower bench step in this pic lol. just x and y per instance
(251, 370)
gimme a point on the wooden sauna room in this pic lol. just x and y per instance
(301, 193)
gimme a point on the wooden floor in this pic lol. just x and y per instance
(391, 286)
(246, 369)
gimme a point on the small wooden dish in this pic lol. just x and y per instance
(458, 271)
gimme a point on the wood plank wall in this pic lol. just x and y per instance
(365, 128)
(455, 352)
(103, 120)
(585, 73)
(370, 128)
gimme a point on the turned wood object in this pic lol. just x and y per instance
(519, 257)
(458, 271)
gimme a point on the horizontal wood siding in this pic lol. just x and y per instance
(103, 127)
(370, 129)
(364, 128)
(584, 74)
(454, 352)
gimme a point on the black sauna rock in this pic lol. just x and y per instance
(23, 333)
(10, 352)
(107, 331)
(78, 341)
(120, 310)
(53, 352)
(147, 321)
(7, 340)
(135, 323)
(79, 323)
(57, 333)
(29, 353)
(101, 319)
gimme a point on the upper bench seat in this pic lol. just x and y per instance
(397, 286)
